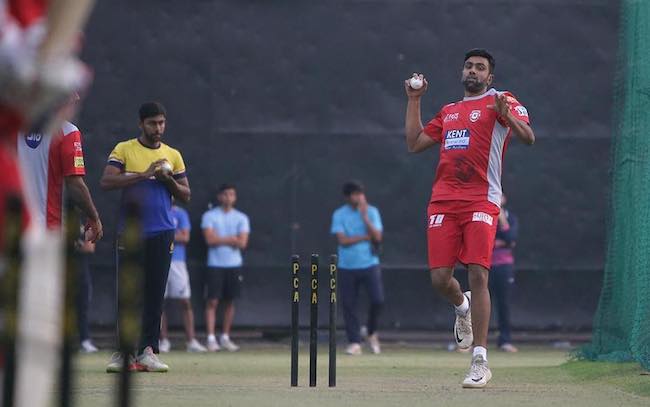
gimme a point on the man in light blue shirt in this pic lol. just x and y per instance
(226, 232)
(358, 230)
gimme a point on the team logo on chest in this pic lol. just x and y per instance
(33, 140)
(474, 116)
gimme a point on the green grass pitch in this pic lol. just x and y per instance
(401, 376)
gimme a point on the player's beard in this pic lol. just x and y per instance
(474, 85)
(153, 138)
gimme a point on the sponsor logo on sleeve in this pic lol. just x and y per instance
(457, 139)
(474, 116)
(521, 111)
(79, 162)
(435, 221)
(482, 217)
(77, 146)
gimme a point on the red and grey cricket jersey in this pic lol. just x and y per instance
(45, 162)
(473, 141)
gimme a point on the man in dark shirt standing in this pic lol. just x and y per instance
(502, 273)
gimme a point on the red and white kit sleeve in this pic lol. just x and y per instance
(71, 152)
(516, 108)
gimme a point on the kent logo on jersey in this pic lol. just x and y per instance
(457, 139)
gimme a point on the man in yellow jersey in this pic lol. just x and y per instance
(149, 173)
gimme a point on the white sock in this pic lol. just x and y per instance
(212, 338)
(479, 350)
(225, 337)
(463, 308)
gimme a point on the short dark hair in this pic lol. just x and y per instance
(225, 186)
(351, 187)
(480, 52)
(151, 109)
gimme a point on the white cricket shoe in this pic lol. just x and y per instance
(212, 345)
(115, 365)
(148, 361)
(164, 346)
(373, 342)
(463, 326)
(88, 347)
(509, 348)
(227, 344)
(479, 373)
(195, 346)
(353, 349)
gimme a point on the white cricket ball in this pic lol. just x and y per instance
(416, 83)
(166, 166)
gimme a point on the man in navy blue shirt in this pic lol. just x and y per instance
(502, 273)
(358, 230)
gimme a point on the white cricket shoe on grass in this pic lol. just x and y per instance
(463, 326)
(227, 344)
(373, 342)
(115, 365)
(164, 346)
(479, 373)
(353, 349)
(148, 361)
(195, 346)
(509, 348)
(212, 345)
(87, 346)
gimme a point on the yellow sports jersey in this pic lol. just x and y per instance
(132, 156)
(152, 196)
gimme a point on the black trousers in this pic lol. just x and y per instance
(84, 294)
(502, 279)
(350, 281)
(155, 260)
